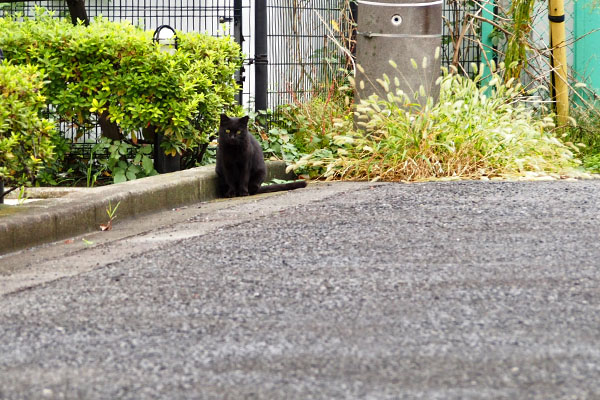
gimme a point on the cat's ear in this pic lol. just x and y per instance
(244, 120)
(224, 118)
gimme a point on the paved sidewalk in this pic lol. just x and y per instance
(73, 211)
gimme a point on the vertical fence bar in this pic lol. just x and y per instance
(261, 59)
(239, 39)
(353, 20)
(237, 22)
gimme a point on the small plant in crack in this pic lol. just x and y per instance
(112, 215)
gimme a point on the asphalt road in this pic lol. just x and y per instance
(463, 290)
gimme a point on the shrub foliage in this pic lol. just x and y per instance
(113, 71)
(26, 139)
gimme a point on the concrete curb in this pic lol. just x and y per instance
(83, 210)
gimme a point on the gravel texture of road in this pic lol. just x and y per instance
(449, 290)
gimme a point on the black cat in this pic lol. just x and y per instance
(241, 166)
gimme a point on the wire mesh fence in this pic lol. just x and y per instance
(458, 43)
(308, 41)
(539, 63)
(305, 39)
(212, 16)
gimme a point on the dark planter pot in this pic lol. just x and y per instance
(163, 163)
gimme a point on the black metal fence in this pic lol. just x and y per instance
(468, 51)
(188, 16)
(305, 46)
(293, 47)
(304, 39)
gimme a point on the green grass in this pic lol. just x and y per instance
(586, 132)
(475, 131)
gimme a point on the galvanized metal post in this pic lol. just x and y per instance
(261, 57)
(407, 32)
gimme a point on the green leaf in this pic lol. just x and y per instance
(146, 150)
(87, 68)
(131, 175)
(147, 165)
(123, 148)
(119, 176)
(134, 168)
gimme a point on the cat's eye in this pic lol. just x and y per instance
(238, 132)
(227, 131)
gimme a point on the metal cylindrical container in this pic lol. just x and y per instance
(400, 31)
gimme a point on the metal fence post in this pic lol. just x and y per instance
(238, 36)
(261, 58)
(353, 26)
(163, 163)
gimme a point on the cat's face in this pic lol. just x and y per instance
(233, 130)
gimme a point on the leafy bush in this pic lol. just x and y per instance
(473, 131)
(140, 165)
(113, 71)
(586, 132)
(26, 139)
(296, 129)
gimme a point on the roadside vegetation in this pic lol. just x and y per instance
(485, 125)
(113, 75)
(28, 141)
(491, 121)
(474, 131)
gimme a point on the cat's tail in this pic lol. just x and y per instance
(282, 186)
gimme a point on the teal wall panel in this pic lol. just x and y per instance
(587, 49)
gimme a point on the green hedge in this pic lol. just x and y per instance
(26, 139)
(114, 70)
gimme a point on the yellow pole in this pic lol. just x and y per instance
(560, 88)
